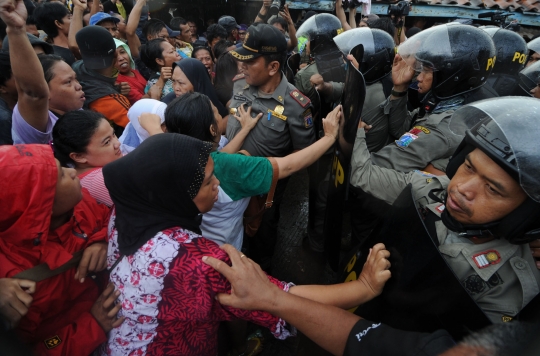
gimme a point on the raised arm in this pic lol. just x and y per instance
(33, 102)
(352, 17)
(293, 41)
(262, 16)
(79, 7)
(340, 13)
(134, 42)
(304, 158)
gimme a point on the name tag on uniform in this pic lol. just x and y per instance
(239, 98)
(279, 116)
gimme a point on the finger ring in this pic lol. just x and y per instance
(242, 256)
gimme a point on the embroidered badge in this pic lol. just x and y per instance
(487, 258)
(405, 140)
(440, 208)
(429, 180)
(52, 342)
(417, 129)
(308, 119)
(300, 98)
(506, 318)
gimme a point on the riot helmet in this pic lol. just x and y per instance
(319, 30)
(511, 50)
(507, 131)
(529, 78)
(534, 47)
(460, 56)
(379, 51)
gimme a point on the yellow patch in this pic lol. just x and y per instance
(339, 31)
(520, 57)
(424, 129)
(279, 108)
(491, 62)
(506, 318)
(279, 116)
(492, 256)
(52, 342)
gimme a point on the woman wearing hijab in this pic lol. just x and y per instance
(160, 191)
(134, 134)
(46, 218)
(190, 75)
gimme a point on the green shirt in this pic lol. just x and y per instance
(242, 176)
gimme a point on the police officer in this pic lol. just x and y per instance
(529, 79)
(486, 209)
(454, 62)
(512, 55)
(534, 51)
(287, 122)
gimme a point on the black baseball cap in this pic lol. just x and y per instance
(228, 22)
(97, 47)
(260, 39)
(34, 41)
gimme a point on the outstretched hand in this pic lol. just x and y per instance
(250, 287)
(13, 13)
(244, 117)
(375, 272)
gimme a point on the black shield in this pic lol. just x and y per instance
(352, 100)
(293, 65)
(423, 293)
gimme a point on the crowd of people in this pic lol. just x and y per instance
(144, 162)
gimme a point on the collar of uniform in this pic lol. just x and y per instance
(278, 94)
(505, 249)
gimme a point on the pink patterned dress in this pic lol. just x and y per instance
(167, 296)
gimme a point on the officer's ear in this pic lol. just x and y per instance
(273, 68)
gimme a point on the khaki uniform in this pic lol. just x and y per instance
(429, 140)
(286, 125)
(501, 289)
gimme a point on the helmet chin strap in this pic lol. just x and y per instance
(468, 231)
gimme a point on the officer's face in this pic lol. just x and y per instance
(425, 79)
(481, 191)
(257, 72)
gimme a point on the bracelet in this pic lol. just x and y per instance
(398, 94)
(261, 16)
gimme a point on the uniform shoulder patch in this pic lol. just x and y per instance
(52, 342)
(300, 98)
(308, 119)
(238, 77)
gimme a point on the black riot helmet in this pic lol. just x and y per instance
(507, 131)
(511, 50)
(461, 57)
(319, 30)
(379, 51)
(529, 78)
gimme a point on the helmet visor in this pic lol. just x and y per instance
(427, 49)
(519, 120)
(350, 39)
(528, 77)
(534, 45)
(321, 24)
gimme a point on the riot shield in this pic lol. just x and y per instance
(329, 59)
(423, 293)
(293, 64)
(352, 100)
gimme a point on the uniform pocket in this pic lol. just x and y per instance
(274, 123)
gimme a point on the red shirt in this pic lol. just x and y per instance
(137, 84)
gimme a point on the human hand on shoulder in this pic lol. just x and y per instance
(105, 310)
(94, 259)
(14, 14)
(376, 270)
(331, 122)
(247, 121)
(250, 287)
(15, 298)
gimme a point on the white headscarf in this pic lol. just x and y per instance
(134, 134)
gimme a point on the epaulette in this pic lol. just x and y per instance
(238, 77)
(300, 98)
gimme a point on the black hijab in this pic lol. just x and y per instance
(197, 74)
(153, 188)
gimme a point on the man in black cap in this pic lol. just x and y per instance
(287, 122)
(95, 73)
(230, 25)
